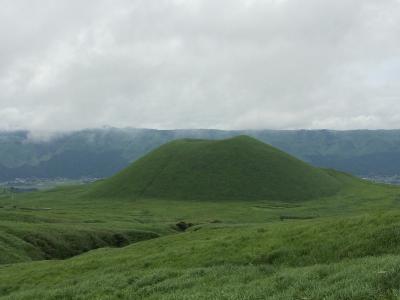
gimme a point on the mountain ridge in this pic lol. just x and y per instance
(103, 152)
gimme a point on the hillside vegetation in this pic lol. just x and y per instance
(342, 258)
(232, 169)
(65, 221)
(302, 232)
(103, 152)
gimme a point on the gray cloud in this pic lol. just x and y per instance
(70, 64)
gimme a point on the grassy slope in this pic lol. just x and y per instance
(238, 249)
(343, 258)
(336, 255)
(237, 168)
(75, 224)
(58, 224)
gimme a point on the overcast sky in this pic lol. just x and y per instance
(229, 64)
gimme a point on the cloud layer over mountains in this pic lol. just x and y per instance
(279, 64)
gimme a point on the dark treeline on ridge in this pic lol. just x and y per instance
(103, 152)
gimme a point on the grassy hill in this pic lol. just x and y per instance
(343, 246)
(103, 152)
(236, 168)
(64, 222)
(342, 243)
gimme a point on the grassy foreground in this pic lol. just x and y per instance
(336, 258)
(65, 222)
(344, 246)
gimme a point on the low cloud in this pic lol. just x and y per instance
(227, 64)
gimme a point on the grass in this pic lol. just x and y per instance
(232, 282)
(240, 168)
(312, 259)
(72, 223)
(71, 243)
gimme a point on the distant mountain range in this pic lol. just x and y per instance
(103, 152)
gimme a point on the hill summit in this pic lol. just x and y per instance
(236, 168)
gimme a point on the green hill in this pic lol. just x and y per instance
(344, 246)
(236, 168)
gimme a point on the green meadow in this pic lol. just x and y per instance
(302, 232)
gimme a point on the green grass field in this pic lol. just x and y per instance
(346, 247)
(340, 246)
